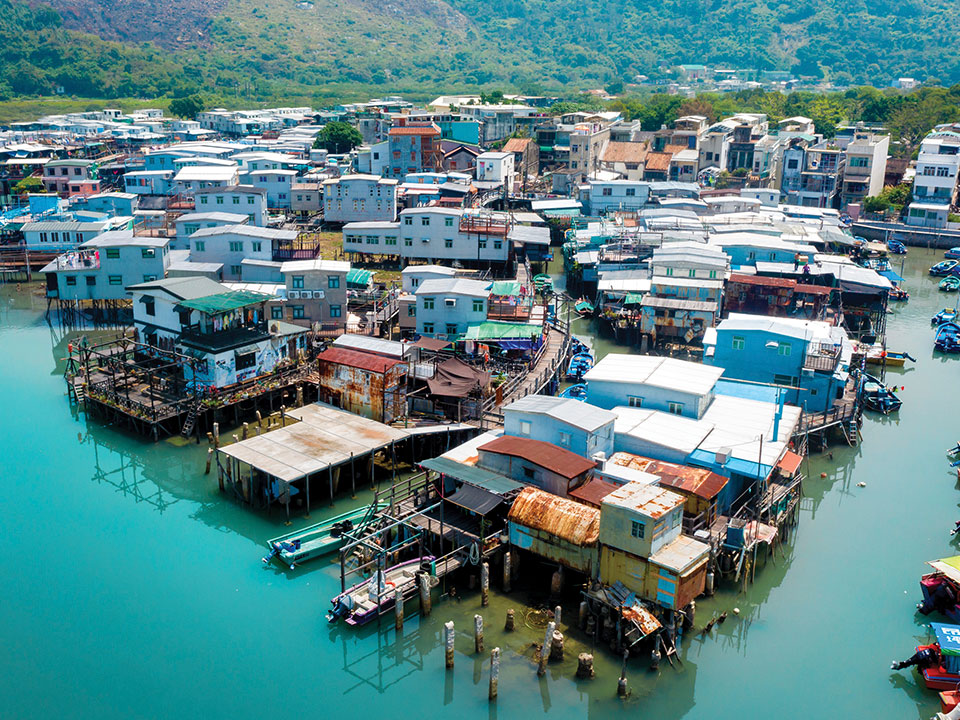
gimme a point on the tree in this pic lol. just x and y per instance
(338, 137)
(698, 106)
(28, 185)
(187, 107)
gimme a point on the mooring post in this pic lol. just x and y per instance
(478, 633)
(582, 618)
(259, 420)
(485, 584)
(216, 434)
(545, 650)
(426, 602)
(448, 644)
(398, 608)
(494, 672)
(622, 682)
(509, 624)
(206, 470)
(556, 615)
(585, 666)
(507, 567)
(556, 647)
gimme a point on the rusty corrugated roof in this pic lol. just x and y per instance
(658, 161)
(516, 144)
(567, 520)
(355, 359)
(546, 455)
(593, 491)
(692, 480)
(765, 281)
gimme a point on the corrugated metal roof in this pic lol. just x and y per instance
(353, 358)
(650, 500)
(455, 286)
(679, 304)
(184, 288)
(692, 480)
(681, 555)
(494, 482)
(225, 301)
(365, 343)
(669, 373)
(547, 455)
(572, 412)
(475, 499)
(247, 231)
(567, 520)
(593, 491)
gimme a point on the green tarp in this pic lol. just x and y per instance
(633, 299)
(505, 288)
(562, 212)
(358, 277)
(226, 301)
(496, 330)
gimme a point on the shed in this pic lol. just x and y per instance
(536, 462)
(363, 383)
(555, 529)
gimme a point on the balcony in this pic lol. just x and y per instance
(215, 342)
(79, 260)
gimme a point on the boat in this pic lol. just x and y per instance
(949, 699)
(951, 283)
(896, 247)
(947, 338)
(543, 283)
(579, 364)
(879, 356)
(575, 392)
(317, 540)
(952, 254)
(945, 267)
(941, 589)
(878, 397)
(944, 316)
(938, 662)
(584, 307)
(898, 293)
(580, 345)
(360, 604)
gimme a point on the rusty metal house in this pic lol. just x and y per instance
(368, 385)
(534, 462)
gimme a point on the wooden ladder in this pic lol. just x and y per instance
(191, 421)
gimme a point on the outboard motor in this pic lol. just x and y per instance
(340, 609)
(925, 658)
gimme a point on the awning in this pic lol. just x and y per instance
(359, 277)
(497, 330)
(514, 344)
(429, 343)
(948, 638)
(789, 463)
(505, 288)
(633, 299)
(950, 567)
(225, 301)
(475, 499)
(891, 276)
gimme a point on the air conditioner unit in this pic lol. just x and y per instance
(450, 302)
(722, 455)
(294, 294)
(318, 294)
(306, 294)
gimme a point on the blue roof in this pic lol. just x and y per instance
(747, 391)
(891, 276)
(948, 637)
(747, 468)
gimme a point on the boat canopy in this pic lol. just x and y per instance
(475, 499)
(950, 567)
(948, 638)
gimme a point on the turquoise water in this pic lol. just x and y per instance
(132, 589)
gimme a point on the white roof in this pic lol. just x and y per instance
(688, 377)
(124, 238)
(315, 264)
(372, 225)
(207, 172)
(364, 343)
(687, 282)
(623, 282)
(361, 178)
(567, 410)
(432, 269)
(221, 217)
(247, 231)
(276, 289)
(790, 327)
(454, 286)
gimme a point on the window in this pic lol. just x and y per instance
(296, 312)
(428, 328)
(236, 246)
(565, 439)
(408, 242)
(607, 192)
(203, 199)
(943, 172)
(245, 360)
(411, 310)
(482, 244)
(149, 305)
(738, 342)
(676, 408)
(408, 220)
(631, 192)
(529, 473)
(296, 282)
(784, 349)
(713, 274)
(424, 221)
(219, 199)
(788, 380)
(333, 282)
(637, 529)
(428, 303)
(448, 222)
(451, 328)
(390, 241)
(190, 229)
(497, 244)
(692, 272)
(149, 278)
(276, 313)
(250, 200)
(91, 280)
(199, 245)
(114, 279)
(524, 427)
(71, 280)
(791, 163)
(668, 272)
(113, 253)
(478, 305)
(448, 243)
(335, 311)
(634, 401)
(235, 270)
(235, 199)
(859, 162)
(256, 246)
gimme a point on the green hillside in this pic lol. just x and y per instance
(264, 48)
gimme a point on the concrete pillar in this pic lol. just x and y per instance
(426, 601)
(622, 690)
(485, 584)
(545, 650)
(556, 647)
(585, 666)
(448, 635)
(690, 615)
(478, 633)
(216, 434)
(509, 624)
(556, 615)
(398, 608)
(494, 672)
(582, 618)
(206, 469)
(245, 431)
(711, 580)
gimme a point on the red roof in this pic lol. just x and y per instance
(546, 455)
(812, 289)
(685, 478)
(356, 359)
(421, 130)
(790, 462)
(765, 281)
(514, 145)
(593, 491)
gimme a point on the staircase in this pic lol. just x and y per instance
(191, 421)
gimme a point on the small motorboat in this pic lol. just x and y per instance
(947, 338)
(361, 603)
(949, 699)
(944, 316)
(939, 662)
(543, 283)
(584, 307)
(879, 398)
(945, 267)
(579, 364)
(897, 247)
(952, 254)
(575, 392)
(898, 294)
(951, 283)
(317, 540)
(580, 345)
(879, 356)
(941, 589)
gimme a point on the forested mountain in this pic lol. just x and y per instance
(257, 47)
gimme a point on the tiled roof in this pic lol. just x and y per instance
(625, 152)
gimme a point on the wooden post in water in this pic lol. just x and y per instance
(556, 647)
(585, 666)
(510, 621)
(426, 601)
(206, 470)
(507, 568)
(216, 434)
(484, 585)
(494, 673)
(478, 633)
(556, 615)
(398, 608)
(448, 635)
(622, 690)
(245, 431)
(545, 650)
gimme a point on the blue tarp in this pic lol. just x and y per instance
(515, 344)
(747, 468)
(891, 276)
(948, 637)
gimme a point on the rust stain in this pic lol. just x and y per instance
(568, 520)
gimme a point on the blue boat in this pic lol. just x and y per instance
(948, 338)
(897, 247)
(579, 364)
(952, 254)
(944, 316)
(575, 392)
(945, 267)
(878, 397)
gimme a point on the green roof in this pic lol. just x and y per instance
(505, 288)
(473, 475)
(225, 301)
(358, 276)
(562, 212)
(633, 299)
(497, 330)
